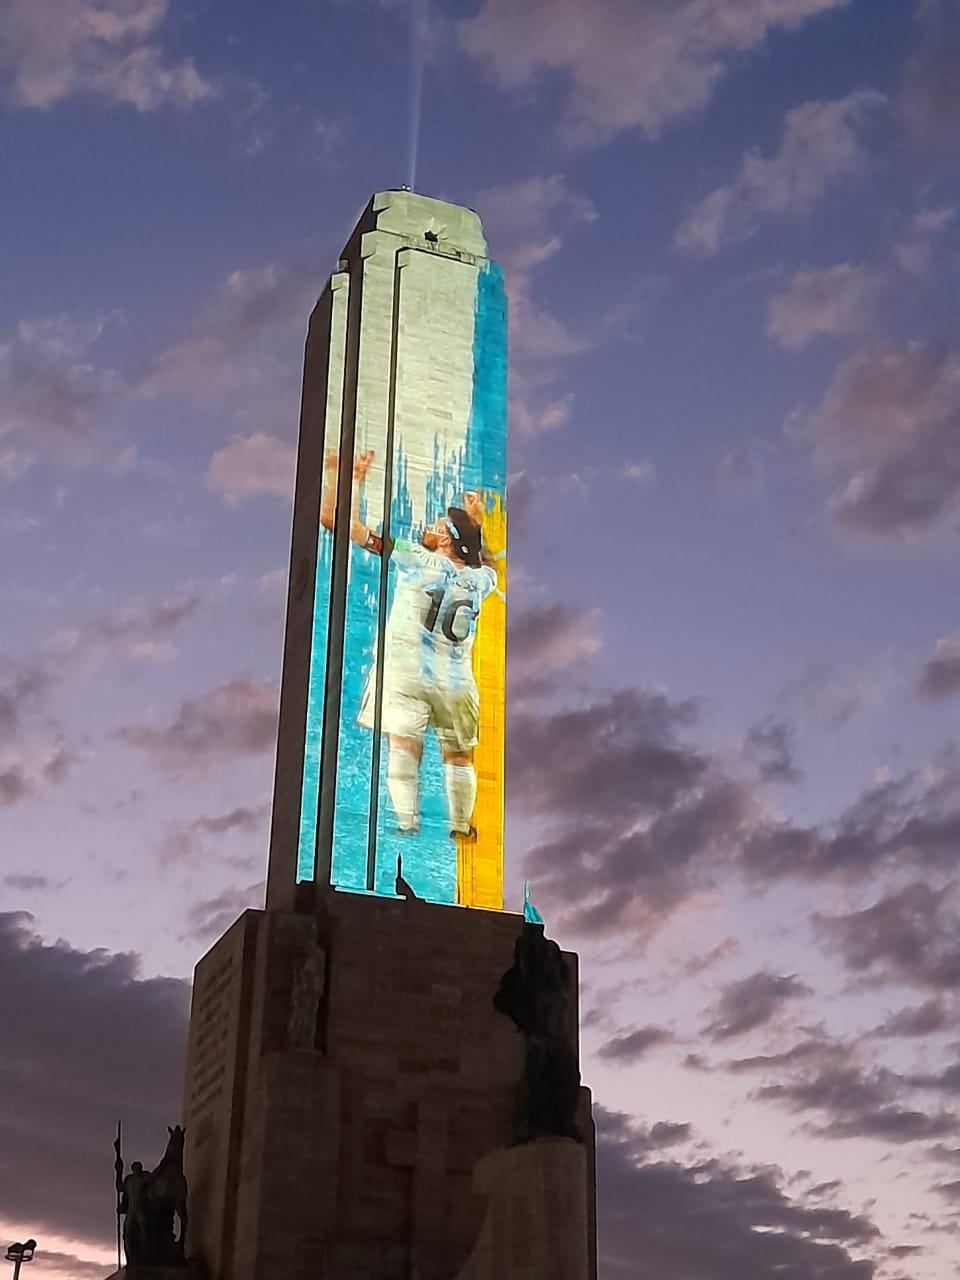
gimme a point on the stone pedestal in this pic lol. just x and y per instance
(336, 1138)
(537, 1222)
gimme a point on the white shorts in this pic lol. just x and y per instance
(412, 704)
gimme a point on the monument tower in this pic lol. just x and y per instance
(356, 1107)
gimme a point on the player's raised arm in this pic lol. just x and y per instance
(361, 534)
(328, 492)
(474, 507)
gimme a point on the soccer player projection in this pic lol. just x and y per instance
(392, 706)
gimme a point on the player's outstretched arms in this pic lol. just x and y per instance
(328, 491)
(473, 505)
(360, 533)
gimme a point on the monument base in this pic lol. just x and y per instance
(536, 1225)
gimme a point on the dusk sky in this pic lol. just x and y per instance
(731, 237)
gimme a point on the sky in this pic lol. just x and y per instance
(731, 237)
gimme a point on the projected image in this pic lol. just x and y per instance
(403, 761)
(425, 681)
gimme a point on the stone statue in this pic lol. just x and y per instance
(149, 1201)
(533, 993)
(309, 980)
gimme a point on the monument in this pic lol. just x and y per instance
(382, 1077)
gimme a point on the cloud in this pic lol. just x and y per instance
(940, 675)
(15, 785)
(136, 629)
(820, 145)
(631, 815)
(770, 745)
(913, 250)
(947, 1080)
(234, 719)
(240, 819)
(742, 471)
(543, 643)
(825, 697)
(713, 1219)
(211, 917)
(644, 1139)
(752, 1002)
(26, 881)
(638, 65)
(838, 300)
(29, 759)
(23, 690)
(67, 1264)
(703, 961)
(56, 396)
(58, 766)
(815, 1048)
(527, 222)
(255, 464)
(845, 1097)
(51, 50)
(911, 820)
(889, 425)
(916, 1020)
(94, 1041)
(528, 210)
(182, 841)
(908, 937)
(642, 473)
(51, 391)
(21, 776)
(532, 410)
(223, 356)
(857, 1103)
(929, 95)
(631, 1046)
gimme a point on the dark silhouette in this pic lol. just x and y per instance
(401, 888)
(533, 993)
(149, 1202)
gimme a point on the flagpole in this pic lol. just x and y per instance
(118, 1168)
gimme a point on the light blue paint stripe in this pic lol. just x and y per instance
(310, 786)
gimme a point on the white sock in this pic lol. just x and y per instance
(403, 783)
(461, 795)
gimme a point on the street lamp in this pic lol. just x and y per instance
(19, 1253)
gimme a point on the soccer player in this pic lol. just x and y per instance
(428, 679)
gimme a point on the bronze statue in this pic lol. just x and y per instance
(149, 1201)
(533, 993)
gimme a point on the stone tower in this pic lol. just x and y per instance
(351, 1094)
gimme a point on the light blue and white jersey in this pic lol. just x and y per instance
(433, 615)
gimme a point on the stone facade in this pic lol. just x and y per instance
(537, 1220)
(353, 1158)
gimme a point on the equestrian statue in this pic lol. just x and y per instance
(148, 1202)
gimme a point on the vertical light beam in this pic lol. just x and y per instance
(418, 59)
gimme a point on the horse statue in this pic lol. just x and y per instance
(148, 1202)
(167, 1196)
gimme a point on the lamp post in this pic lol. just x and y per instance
(19, 1253)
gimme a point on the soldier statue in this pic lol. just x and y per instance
(533, 993)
